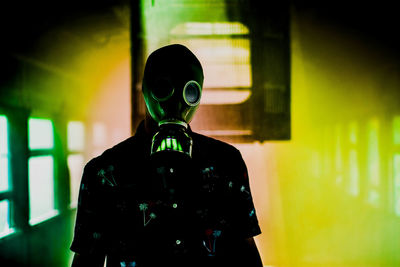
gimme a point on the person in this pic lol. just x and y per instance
(167, 196)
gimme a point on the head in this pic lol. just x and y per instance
(172, 84)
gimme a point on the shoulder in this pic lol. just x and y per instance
(118, 165)
(212, 148)
(129, 150)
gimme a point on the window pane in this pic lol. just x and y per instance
(208, 28)
(396, 174)
(41, 189)
(373, 153)
(40, 133)
(338, 154)
(99, 134)
(3, 135)
(76, 136)
(373, 162)
(396, 130)
(222, 57)
(354, 173)
(4, 172)
(4, 184)
(353, 132)
(75, 165)
(5, 228)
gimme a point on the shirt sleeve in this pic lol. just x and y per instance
(245, 216)
(89, 236)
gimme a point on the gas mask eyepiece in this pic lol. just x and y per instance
(162, 90)
(192, 93)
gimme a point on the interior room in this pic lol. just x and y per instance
(309, 93)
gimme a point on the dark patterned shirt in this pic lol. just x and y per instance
(139, 212)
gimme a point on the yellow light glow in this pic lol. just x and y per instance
(396, 130)
(373, 152)
(354, 173)
(353, 132)
(338, 155)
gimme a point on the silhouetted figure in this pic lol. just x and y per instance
(167, 196)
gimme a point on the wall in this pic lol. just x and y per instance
(327, 196)
(77, 70)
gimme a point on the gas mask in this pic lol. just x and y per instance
(172, 86)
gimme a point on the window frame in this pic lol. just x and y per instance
(7, 195)
(19, 154)
(72, 152)
(42, 152)
(395, 140)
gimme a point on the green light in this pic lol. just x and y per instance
(41, 189)
(174, 144)
(168, 142)
(163, 145)
(40, 133)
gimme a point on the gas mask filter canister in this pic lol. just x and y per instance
(172, 135)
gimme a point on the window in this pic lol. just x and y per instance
(338, 154)
(5, 228)
(396, 165)
(4, 170)
(5, 181)
(41, 171)
(223, 48)
(41, 189)
(99, 138)
(396, 178)
(76, 145)
(40, 134)
(328, 146)
(354, 174)
(373, 162)
(226, 54)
